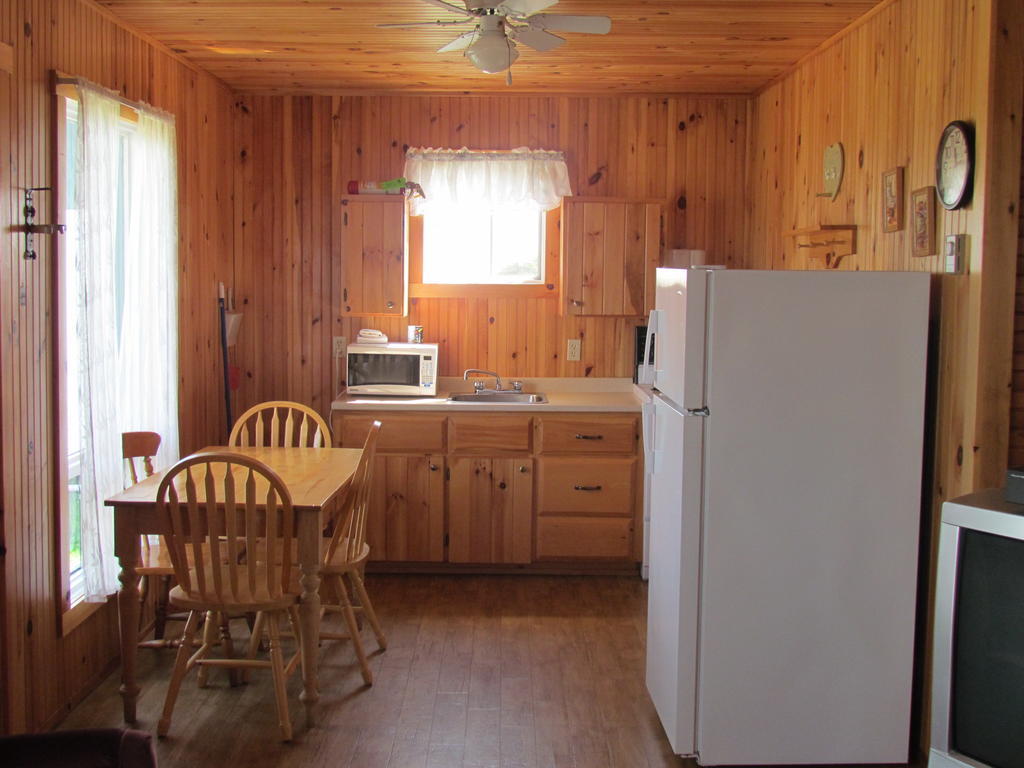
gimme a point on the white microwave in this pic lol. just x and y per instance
(392, 369)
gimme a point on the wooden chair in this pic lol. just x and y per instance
(302, 426)
(154, 566)
(346, 556)
(206, 544)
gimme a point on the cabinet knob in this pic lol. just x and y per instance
(433, 467)
(576, 302)
(502, 485)
(587, 487)
(523, 469)
(390, 305)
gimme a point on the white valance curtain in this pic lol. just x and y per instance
(492, 179)
(126, 259)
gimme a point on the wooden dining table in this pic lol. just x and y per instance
(317, 479)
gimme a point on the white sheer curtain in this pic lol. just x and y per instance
(467, 177)
(148, 346)
(125, 182)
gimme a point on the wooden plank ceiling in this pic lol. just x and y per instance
(655, 46)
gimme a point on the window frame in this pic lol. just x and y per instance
(69, 615)
(548, 289)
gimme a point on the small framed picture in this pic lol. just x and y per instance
(922, 211)
(892, 200)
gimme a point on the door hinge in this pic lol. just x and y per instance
(3, 550)
(447, 473)
(446, 539)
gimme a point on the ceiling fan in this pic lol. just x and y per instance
(500, 24)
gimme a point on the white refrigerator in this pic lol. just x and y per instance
(785, 450)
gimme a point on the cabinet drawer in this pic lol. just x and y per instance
(399, 432)
(584, 537)
(589, 486)
(490, 433)
(579, 434)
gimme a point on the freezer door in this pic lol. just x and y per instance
(813, 446)
(674, 573)
(679, 336)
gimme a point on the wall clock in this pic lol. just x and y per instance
(954, 165)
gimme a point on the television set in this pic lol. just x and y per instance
(977, 712)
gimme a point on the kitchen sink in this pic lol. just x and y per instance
(498, 397)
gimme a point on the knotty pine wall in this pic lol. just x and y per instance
(885, 89)
(295, 154)
(1017, 398)
(46, 673)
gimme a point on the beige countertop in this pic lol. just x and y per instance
(594, 395)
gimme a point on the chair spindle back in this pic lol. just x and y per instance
(350, 531)
(301, 427)
(139, 445)
(218, 506)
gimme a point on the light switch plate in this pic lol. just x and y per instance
(572, 350)
(955, 252)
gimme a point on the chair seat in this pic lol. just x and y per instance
(338, 564)
(245, 600)
(157, 561)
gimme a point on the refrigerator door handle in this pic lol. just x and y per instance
(698, 411)
(647, 430)
(646, 370)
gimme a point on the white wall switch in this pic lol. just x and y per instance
(955, 251)
(340, 345)
(573, 349)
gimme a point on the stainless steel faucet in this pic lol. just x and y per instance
(479, 385)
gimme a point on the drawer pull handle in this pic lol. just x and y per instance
(587, 487)
(590, 437)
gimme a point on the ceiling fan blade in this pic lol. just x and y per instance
(538, 39)
(524, 7)
(595, 25)
(411, 24)
(449, 6)
(462, 41)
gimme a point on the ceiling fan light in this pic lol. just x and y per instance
(492, 52)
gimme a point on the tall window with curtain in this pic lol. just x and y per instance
(118, 304)
(484, 212)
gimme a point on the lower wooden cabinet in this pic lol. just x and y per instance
(406, 518)
(574, 538)
(490, 510)
(494, 489)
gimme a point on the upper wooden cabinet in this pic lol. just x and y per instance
(373, 233)
(610, 249)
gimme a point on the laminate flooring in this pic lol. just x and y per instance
(480, 672)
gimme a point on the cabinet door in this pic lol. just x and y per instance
(406, 518)
(373, 255)
(610, 252)
(490, 510)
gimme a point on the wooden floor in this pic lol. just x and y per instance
(516, 672)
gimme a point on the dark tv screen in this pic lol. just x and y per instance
(987, 717)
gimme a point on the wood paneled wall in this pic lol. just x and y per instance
(47, 673)
(885, 89)
(295, 154)
(1016, 456)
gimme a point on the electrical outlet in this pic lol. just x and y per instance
(572, 350)
(339, 346)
